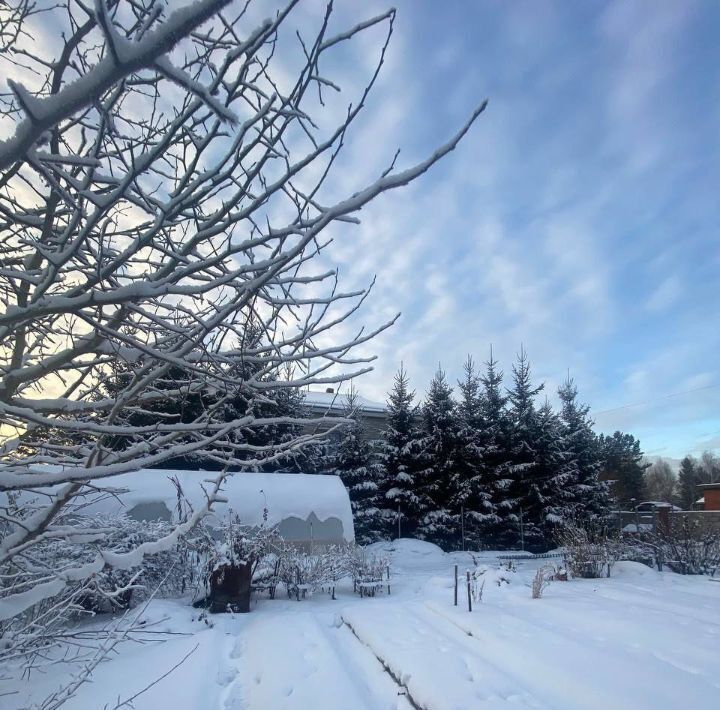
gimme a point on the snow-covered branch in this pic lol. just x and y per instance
(165, 200)
(122, 59)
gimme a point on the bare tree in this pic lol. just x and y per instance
(661, 482)
(163, 194)
(709, 467)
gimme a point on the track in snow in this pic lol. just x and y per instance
(306, 661)
(490, 658)
(438, 663)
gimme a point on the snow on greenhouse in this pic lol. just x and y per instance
(305, 507)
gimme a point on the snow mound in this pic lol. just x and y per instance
(630, 570)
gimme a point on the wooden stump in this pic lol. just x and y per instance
(230, 589)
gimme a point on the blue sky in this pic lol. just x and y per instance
(580, 217)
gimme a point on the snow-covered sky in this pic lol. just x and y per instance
(579, 218)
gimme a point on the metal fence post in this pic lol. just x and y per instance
(469, 593)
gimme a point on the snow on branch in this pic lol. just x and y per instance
(166, 287)
(122, 59)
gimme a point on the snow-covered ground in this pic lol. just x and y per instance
(640, 639)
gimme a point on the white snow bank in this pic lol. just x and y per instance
(285, 495)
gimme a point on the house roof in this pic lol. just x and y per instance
(336, 401)
(709, 486)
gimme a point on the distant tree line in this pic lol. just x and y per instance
(663, 484)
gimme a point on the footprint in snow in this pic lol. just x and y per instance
(237, 649)
(235, 701)
(226, 675)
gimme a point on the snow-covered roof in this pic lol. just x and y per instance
(338, 400)
(286, 495)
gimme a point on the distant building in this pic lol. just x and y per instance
(372, 415)
(711, 496)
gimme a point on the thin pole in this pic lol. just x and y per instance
(399, 527)
(468, 590)
(456, 583)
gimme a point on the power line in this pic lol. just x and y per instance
(657, 399)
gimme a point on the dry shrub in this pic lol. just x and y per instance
(690, 547)
(589, 552)
(543, 576)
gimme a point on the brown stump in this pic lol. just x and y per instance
(230, 589)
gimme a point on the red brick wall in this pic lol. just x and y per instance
(712, 498)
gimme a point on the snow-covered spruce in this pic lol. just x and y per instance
(438, 475)
(400, 453)
(356, 462)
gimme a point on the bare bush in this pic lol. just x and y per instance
(686, 546)
(691, 547)
(368, 568)
(42, 625)
(589, 552)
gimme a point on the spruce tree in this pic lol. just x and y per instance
(279, 401)
(472, 497)
(622, 465)
(355, 463)
(524, 510)
(438, 478)
(400, 458)
(689, 478)
(590, 496)
(550, 501)
(494, 441)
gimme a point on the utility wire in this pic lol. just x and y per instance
(657, 399)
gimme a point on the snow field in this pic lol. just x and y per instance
(640, 639)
